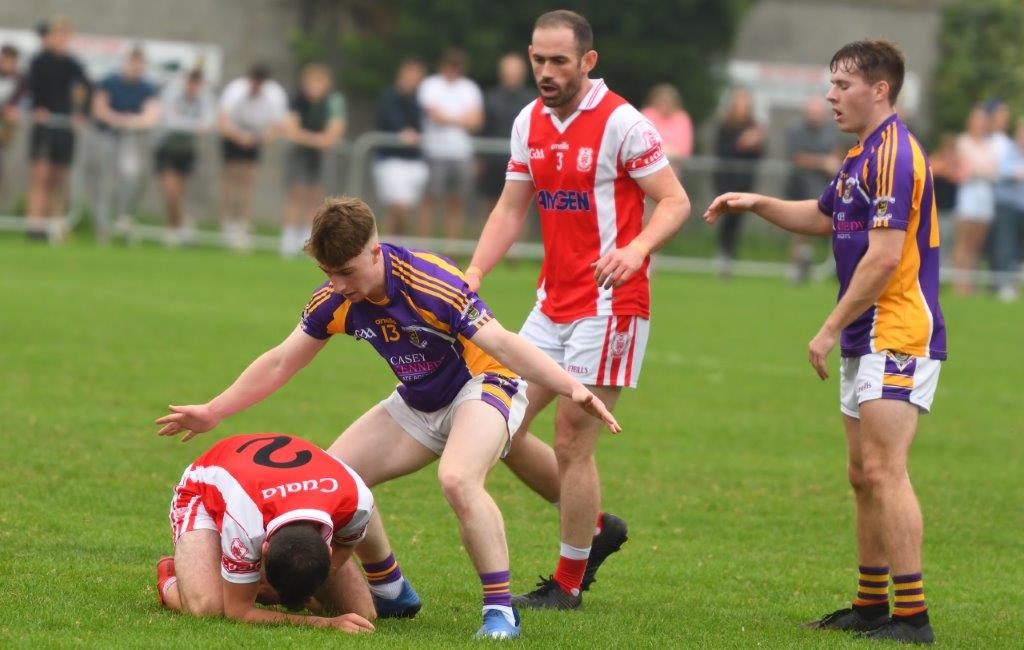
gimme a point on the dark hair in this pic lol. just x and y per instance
(9, 50)
(877, 60)
(453, 57)
(259, 72)
(297, 562)
(195, 75)
(574, 21)
(341, 228)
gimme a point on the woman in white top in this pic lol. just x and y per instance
(975, 200)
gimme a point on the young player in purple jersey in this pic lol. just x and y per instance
(460, 396)
(880, 213)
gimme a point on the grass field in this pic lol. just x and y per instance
(731, 470)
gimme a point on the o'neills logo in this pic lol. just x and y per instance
(325, 485)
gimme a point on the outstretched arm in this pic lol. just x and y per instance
(533, 365)
(801, 217)
(266, 374)
(239, 605)
(500, 231)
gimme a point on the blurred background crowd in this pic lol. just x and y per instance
(144, 149)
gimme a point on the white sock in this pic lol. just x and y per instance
(388, 590)
(507, 611)
(167, 585)
(572, 552)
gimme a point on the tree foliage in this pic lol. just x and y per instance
(981, 57)
(641, 43)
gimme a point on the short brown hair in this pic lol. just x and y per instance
(341, 228)
(877, 60)
(574, 21)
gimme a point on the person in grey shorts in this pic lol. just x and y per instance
(453, 108)
(316, 123)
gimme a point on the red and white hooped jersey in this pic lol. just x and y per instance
(584, 171)
(251, 485)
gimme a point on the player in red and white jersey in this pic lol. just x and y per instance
(589, 159)
(275, 502)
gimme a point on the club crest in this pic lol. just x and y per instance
(620, 344)
(585, 159)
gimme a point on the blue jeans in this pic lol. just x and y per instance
(1006, 234)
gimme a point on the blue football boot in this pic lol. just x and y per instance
(406, 605)
(497, 627)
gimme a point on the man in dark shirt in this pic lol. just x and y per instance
(502, 104)
(813, 149)
(59, 91)
(400, 172)
(316, 122)
(125, 106)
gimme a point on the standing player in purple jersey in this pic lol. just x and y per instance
(460, 398)
(880, 212)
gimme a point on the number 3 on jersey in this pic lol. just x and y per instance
(558, 160)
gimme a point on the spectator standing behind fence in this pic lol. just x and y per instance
(738, 143)
(453, 109)
(502, 104)
(125, 107)
(1008, 226)
(252, 111)
(315, 125)
(812, 148)
(188, 109)
(59, 91)
(946, 177)
(11, 85)
(975, 201)
(664, 109)
(399, 171)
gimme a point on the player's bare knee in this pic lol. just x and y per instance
(458, 486)
(203, 605)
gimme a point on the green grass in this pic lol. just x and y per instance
(731, 471)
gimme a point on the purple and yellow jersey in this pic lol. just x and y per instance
(886, 182)
(423, 329)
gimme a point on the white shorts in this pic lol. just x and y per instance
(597, 350)
(187, 511)
(975, 201)
(887, 375)
(507, 396)
(400, 181)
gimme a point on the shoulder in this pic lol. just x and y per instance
(324, 301)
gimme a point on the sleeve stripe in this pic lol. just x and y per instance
(316, 302)
(892, 160)
(427, 315)
(434, 282)
(427, 290)
(434, 259)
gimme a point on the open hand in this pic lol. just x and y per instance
(595, 407)
(351, 623)
(192, 419)
(730, 202)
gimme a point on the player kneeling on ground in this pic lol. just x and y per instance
(276, 501)
(460, 398)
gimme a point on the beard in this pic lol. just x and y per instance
(564, 94)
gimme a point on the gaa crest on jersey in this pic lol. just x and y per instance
(585, 159)
(882, 211)
(620, 344)
(847, 184)
(414, 337)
